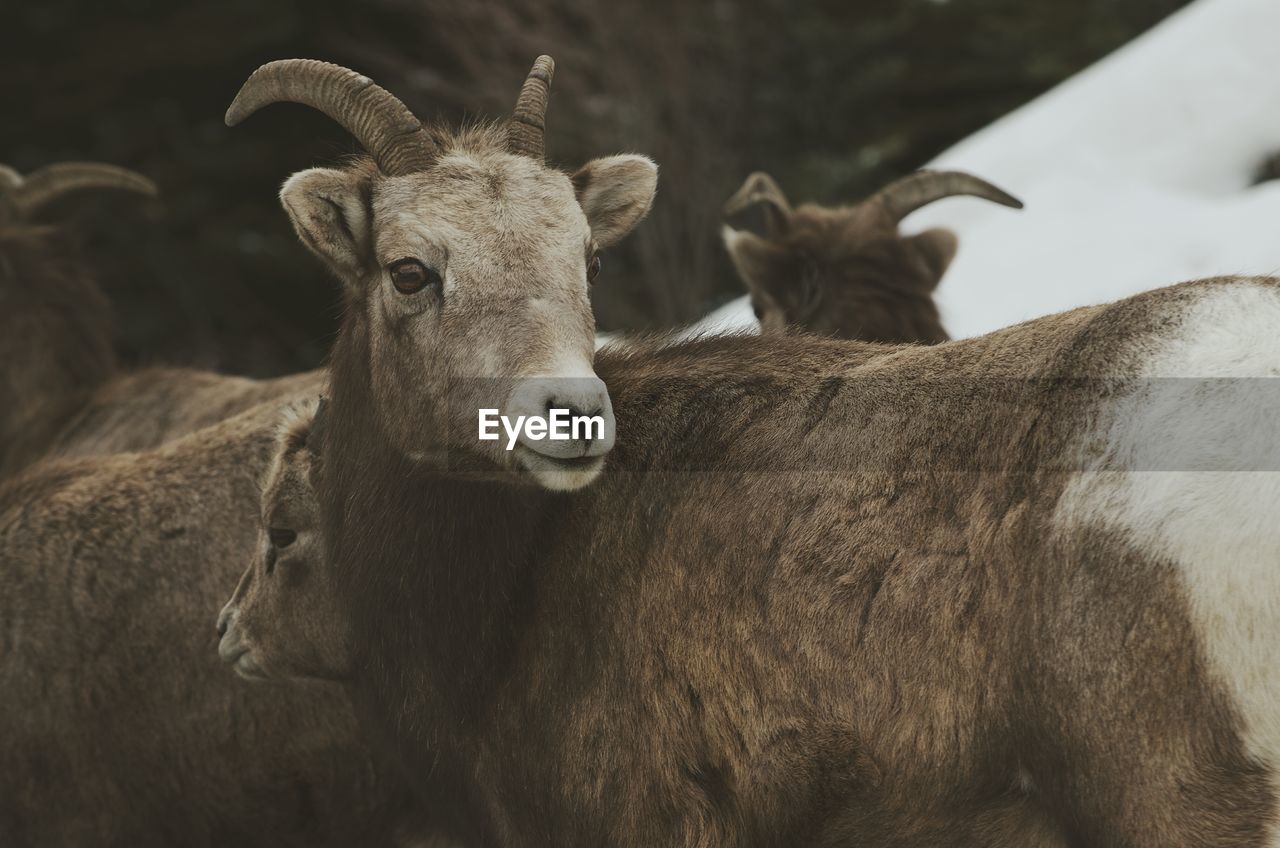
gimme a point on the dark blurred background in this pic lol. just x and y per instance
(834, 97)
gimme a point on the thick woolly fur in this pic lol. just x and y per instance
(120, 724)
(1200, 431)
(823, 595)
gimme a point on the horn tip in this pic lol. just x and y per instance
(9, 178)
(758, 187)
(544, 65)
(237, 111)
(759, 181)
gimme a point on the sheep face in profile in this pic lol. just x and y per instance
(282, 621)
(847, 272)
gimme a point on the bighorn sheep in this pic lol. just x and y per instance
(284, 620)
(147, 538)
(838, 594)
(428, 235)
(61, 394)
(847, 272)
(55, 327)
(120, 725)
(827, 592)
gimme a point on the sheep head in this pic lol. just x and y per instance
(848, 272)
(55, 325)
(282, 621)
(466, 262)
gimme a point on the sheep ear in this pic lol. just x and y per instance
(329, 211)
(760, 265)
(615, 193)
(761, 192)
(936, 248)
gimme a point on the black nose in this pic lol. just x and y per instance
(223, 618)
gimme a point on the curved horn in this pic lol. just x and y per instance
(917, 190)
(529, 121)
(383, 125)
(9, 178)
(51, 182)
(760, 188)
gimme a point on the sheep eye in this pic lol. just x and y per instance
(410, 276)
(593, 268)
(281, 538)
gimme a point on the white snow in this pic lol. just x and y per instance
(1135, 173)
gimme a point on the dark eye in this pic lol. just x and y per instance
(410, 275)
(281, 538)
(593, 268)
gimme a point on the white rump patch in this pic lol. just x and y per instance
(1194, 476)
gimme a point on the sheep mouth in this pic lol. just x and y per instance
(241, 660)
(246, 667)
(573, 463)
(560, 472)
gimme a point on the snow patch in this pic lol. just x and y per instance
(1135, 173)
